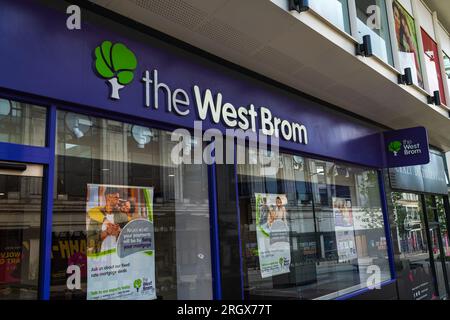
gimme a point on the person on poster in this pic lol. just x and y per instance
(278, 212)
(105, 221)
(128, 207)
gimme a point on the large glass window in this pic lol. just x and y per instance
(436, 242)
(372, 20)
(20, 221)
(336, 11)
(443, 226)
(431, 56)
(408, 51)
(110, 174)
(314, 229)
(22, 123)
(414, 268)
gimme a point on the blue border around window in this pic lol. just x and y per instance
(45, 156)
(214, 226)
(47, 210)
(363, 290)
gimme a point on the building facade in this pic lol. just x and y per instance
(94, 207)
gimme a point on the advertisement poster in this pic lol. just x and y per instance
(345, 236)
(407, 42)
(272, 234)
(120, 249)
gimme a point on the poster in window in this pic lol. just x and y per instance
(344, 229)
(120, 246)
(272, 234)
(405, 31)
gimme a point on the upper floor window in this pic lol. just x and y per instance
(431, 56)
(408, 51)
(336, 11)
(372, 20)
(447, 70)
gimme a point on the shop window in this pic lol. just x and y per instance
(314, 229)
(408, 51)
(431, 56)
(414, 270)
(335, 11)
(436, 241)
(109, 175)
(22, 123)
(372, 20)
(443, 226)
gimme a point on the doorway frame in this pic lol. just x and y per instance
(44, 156)
(433, 261)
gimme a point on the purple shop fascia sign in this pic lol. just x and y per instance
(406, 147)
(93, 68)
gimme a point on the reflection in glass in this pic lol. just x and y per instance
(112, 152)
(335, 228)
(416, 279)
(372, 20)
(336, 11)
(436, 242)
(22, 123)
(20, 216)
(444, 233)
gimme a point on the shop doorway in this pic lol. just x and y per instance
(423, 246)
(438, 242)
(20, 224)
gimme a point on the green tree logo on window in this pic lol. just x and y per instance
(137, 284)
(116, 63)
(395, 147)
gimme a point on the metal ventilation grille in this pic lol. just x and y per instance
(278, 60)
(177, 11)
(229, 36)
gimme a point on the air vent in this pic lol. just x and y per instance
(177, 11)
(229, 36)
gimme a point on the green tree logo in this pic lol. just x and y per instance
(137, 284)
(395, 147)
(116, 63)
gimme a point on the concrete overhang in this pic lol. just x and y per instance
(442, 7)
(297, 50)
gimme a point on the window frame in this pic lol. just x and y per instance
(346, 293)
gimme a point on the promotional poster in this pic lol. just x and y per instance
(344, 228)
(272, 234)
(407, 42)
(121, 250)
